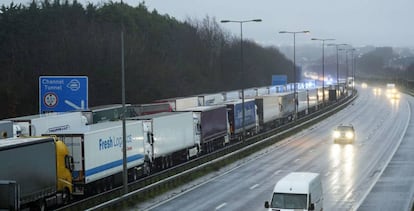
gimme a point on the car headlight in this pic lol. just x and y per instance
(336, 134)
(349, 134)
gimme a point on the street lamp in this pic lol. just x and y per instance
(323, 66)
(294, 66)
(241, 64)
(337, 64)
(353, 69)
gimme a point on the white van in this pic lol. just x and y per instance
(297, 191)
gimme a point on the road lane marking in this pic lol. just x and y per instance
(296, 160)
(221, 206)
(277, 172)
(254, 186)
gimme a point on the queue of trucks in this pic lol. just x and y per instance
(87, 145)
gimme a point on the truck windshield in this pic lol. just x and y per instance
(289, 201)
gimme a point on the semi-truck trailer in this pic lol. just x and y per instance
(231, 95)
(274, 109)
(40, 168)
(180, 103)
(235, 117)
(212, 125)
(106, 113)
(172, 138)
(6, 129)
(210, 99)
(97, 155)
(36, 125)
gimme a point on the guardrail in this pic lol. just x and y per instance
(155, 184)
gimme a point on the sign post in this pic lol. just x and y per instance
(62, 93)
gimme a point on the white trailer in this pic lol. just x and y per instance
(210, 99)
(250, 92)
(231, 95)
(97, 154)
(6, 129)
(267, 108)
(274, 109)
(286, 101)
(181, 103)
(172, 137)
(36, 125)
(262, 91)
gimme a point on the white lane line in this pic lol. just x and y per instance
(277, 172)
(254, 186)
(221, 206)
(296, 160)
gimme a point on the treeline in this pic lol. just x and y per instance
(164, 57)
(383, 64)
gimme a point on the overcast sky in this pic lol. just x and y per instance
(357, 22)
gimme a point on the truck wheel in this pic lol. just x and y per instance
(187, 156)
(65, 196)
(39, 206)
(147, 168)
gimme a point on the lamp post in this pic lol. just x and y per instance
(323, 66)
(353, 69)
(337, 64)
(347, 65)
(241, 64)
(294, 66)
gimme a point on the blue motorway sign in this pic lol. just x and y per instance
(63, 93)
(279, 79)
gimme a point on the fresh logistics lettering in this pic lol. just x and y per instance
(111, 142)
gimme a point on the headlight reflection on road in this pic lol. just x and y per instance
(395, 103)
(342, 158)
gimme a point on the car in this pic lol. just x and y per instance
(364, 85)
(297, 191)
(344, 133)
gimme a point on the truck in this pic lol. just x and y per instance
(105, 113)
(297, 191)
(307, 101)
(249, 93)
(267, 110)
(287, 102)
(231, 95)
(40, 168)
(262, 91)
(36, 125)
(149, 108)
(235, 118)
(6, 129)
(180, 103)
(98, 158)
(212, 126)
(172, 138)
(210, 99)
(274, 109)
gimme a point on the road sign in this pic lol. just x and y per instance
(279, 79)
(63, 93)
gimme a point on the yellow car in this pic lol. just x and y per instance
(344, 134)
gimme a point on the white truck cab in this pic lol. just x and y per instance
(297, 191)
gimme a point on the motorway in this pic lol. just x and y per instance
(361, 176)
